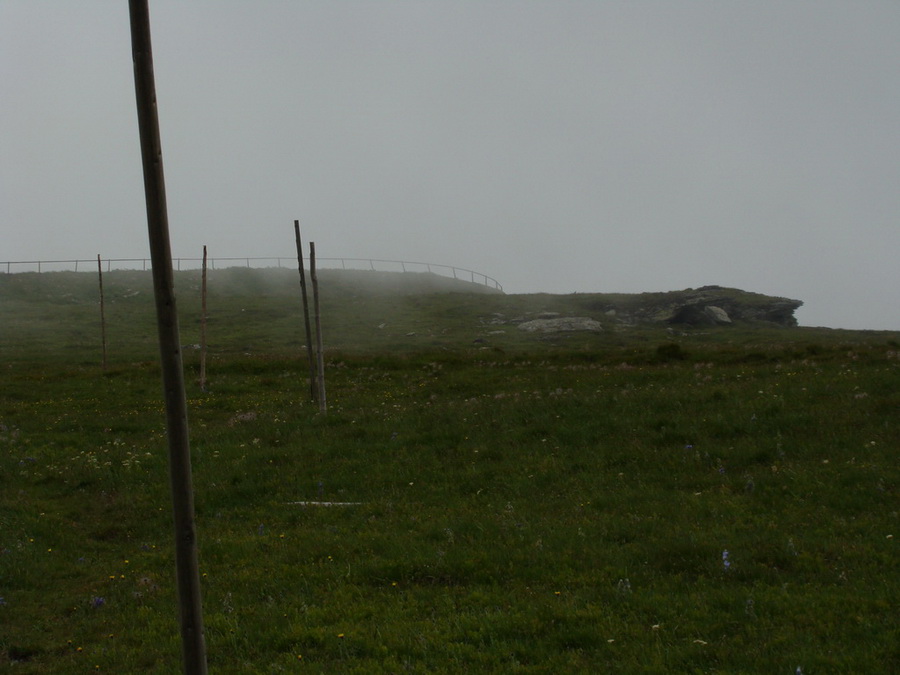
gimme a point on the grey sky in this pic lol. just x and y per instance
(556, 146)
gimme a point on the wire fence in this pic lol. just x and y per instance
(373, 264)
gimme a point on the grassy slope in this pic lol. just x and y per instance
(526, 504)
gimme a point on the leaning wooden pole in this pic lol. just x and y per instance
(102, 311)
(186, 566)
(320, 356)
(313, 394)
(203, 324)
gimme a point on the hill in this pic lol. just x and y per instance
(260, 311)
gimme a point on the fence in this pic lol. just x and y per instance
(195, 263)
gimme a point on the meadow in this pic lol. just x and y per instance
(639, 500)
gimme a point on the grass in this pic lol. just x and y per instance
(535, 506)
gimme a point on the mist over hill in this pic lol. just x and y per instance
(254, 310)
(706, 306)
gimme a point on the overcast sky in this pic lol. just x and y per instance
(557, 146)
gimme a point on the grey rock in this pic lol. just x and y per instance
(561, 324)
(717, 314)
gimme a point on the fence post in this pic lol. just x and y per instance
(313, 391)
(102, 313)
(203, 324)
(186, 563)
(320, 357)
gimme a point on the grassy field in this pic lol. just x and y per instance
(636, 500)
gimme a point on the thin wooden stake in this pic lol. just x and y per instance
(102, 312)
(320, 356)
(186, 566)
(313, 391)
(203, 324)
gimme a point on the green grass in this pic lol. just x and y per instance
(524, 505)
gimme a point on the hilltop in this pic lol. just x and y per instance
(260, 311)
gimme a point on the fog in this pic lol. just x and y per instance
(555, 146)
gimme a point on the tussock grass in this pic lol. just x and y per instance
(525, 507)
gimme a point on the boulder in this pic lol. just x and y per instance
(717, 314)
(696, 314)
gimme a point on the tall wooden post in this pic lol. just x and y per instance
(313, 394)
(203, 324)
(186, 566)
(320, 356)
(102, 311)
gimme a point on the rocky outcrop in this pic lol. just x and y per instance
(714, 305)
(701, 307)
(706, 306)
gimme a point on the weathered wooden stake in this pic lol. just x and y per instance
(313, 392)
(203, 324)
(320, 356)
(186, 567)
(102, 312)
